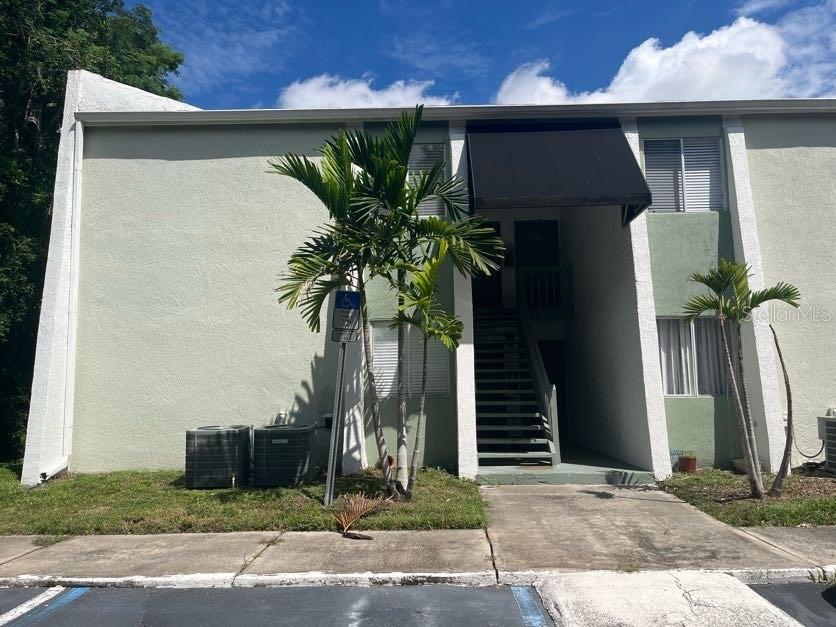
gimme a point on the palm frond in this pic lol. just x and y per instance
(784, 292)
(701, 304)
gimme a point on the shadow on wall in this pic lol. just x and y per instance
(197, 143)
(313, 402)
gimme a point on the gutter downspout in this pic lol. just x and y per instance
(60, 466)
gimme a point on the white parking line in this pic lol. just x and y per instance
(30, 605)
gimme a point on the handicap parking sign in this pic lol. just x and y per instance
(346, 310)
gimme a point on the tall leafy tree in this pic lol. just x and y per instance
(730, 299)
(40, 40)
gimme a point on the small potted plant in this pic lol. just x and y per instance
(687, 462)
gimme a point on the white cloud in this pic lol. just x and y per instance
(750, 7)
(747, 59)
(329, 91)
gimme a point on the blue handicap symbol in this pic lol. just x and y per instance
(348, 300)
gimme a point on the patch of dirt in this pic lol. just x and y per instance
(798, 485)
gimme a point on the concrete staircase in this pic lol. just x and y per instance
(510, 427)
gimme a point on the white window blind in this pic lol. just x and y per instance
(711, 361)
(691, 356)
(675, 355)
(685, 174)
(663, 171)
(385, 356)
(703, 176)
(422, 158)
(438, 365)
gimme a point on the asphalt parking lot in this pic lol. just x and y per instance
(383, 606)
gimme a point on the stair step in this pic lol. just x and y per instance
(518, 415)
(503, 370)
(504, 403)
(518, 391)
(545, 455)
(509, 440)
(504, 380)
(498, 360)
(484, 427)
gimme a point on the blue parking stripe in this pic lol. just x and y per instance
(62, 600)
(529, 609)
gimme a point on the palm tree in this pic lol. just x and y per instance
(423, 312)
(341, 253)
(375, 231)
(387, 186)
(731, 300)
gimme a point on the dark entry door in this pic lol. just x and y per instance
(487, 290)
(537, 243)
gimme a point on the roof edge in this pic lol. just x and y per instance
(456, 112)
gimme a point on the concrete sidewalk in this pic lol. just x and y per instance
(533, 530)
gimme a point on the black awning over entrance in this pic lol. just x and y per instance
(555, 168)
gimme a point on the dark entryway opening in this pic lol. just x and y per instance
(487, 290)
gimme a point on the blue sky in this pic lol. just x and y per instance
(257, 53)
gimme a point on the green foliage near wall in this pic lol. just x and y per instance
(41, 40)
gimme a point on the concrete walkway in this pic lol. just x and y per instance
(634, 528)
(532, 530)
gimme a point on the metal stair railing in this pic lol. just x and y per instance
(545, 391)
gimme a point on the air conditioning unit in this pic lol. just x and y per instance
(218, 457)
(827, 434)
(281, 454)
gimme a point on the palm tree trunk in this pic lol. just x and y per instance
(755, 481)
(403, 468)
(747, 408)
(377, 425)
(417, 452)
(783, 471)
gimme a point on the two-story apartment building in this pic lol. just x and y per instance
(577, 365)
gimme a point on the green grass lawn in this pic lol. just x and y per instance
(157, 502)
(807, 500)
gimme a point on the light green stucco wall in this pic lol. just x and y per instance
(792, 166)
(440, 439)
(183, 237)
(705, 425)
(680, 244)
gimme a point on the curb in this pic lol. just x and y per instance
(319, 579)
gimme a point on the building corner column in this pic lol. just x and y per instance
(759, 359)
(657, 426)
(465, 380)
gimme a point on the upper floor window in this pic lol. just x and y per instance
(424, 157)
(685, 174)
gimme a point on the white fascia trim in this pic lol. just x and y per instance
(759, 359)
(657, 425)
(468, 457)
(459, 112)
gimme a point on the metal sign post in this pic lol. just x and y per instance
(346, 325)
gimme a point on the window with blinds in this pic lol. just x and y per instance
(685, 174)
(422, 158)
(385, 355)
(692, 358)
